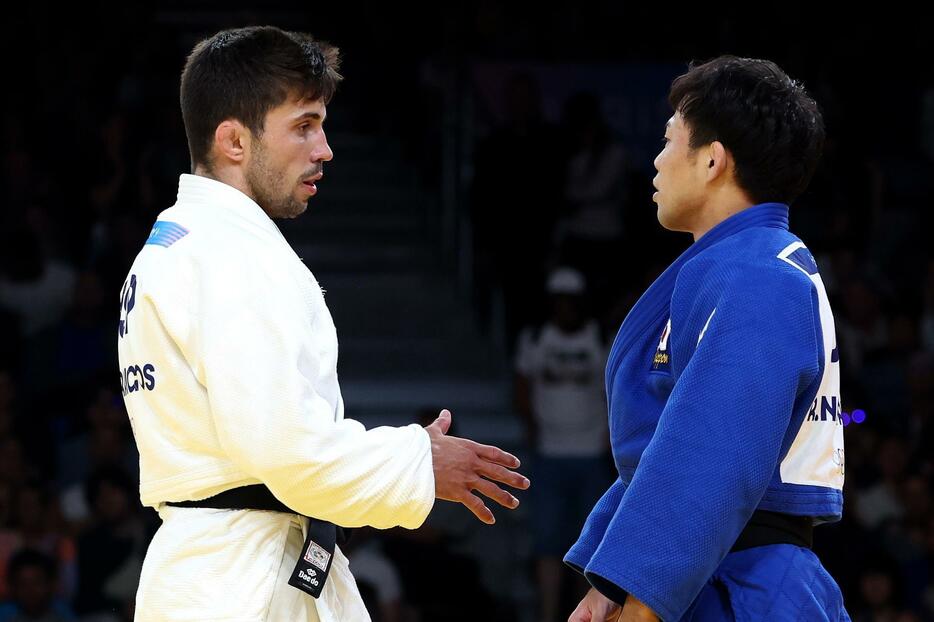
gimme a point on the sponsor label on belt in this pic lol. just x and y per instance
(311, 570)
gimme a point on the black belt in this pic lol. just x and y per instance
(774, 528)
(312, 568)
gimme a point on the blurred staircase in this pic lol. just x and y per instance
(407, 338)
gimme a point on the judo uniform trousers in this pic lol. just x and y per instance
(228, 359)
(723, 388)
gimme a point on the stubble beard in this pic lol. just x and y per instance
(264, 184)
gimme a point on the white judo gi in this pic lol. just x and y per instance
(228, 359)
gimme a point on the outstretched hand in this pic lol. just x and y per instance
(463, 467)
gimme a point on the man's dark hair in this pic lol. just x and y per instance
(767, 121)
(242, 74)
(31, 558)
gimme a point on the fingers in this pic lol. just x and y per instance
(443, 422)
(444, 419)
(581, 614)
(503, 475)
(461, 466)
(605, 609)
(497, 456)
(476, 505)
(494, 492)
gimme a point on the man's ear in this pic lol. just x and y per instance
(231, 141)
(718, 160)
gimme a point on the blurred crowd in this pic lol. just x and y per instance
(563, 230)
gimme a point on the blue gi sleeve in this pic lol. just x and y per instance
(748, 350)
(579, 555)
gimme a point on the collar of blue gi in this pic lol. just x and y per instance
(654, 305)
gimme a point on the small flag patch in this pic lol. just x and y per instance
(166, 233)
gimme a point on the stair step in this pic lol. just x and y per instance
(407, 338)
(497, 426)
(373, 226)
(400, 395)
(368, 173)
(376, 258)
(445, 357)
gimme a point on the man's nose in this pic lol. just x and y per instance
(323, 151)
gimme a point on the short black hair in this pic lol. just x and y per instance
(771, 126)
(243, 73)
(31, 558)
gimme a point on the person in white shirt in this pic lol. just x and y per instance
(560, 397)
(228, 359)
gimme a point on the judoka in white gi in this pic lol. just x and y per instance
(228, 359)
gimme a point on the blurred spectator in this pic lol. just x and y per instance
(517, 189)
(371, 566)
(927, 317)
(905, 539)
(7, 395)
(451, 538)
(7, 493)
(110, 552)
(591, 233)
(877, 600)
(14, 469)
(20, 178)
(11, 339)
(112, 186)
(837, 268)
(560, 395)
(35, 288)
(861, 328)
(34, 527)
(884, 374)
(85, 336)
(927, 597)
(104, 447)
(880, 501)
(32, 590)
(370, 598)
(103, 441)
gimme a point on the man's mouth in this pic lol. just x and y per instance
(310, 182)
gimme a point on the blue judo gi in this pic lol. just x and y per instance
(723, 387)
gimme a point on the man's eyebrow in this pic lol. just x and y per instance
(668, 125)
(310, 115)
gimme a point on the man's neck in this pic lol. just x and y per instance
(720, 207)
(232, 178)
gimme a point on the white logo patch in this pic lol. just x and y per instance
(317, 556)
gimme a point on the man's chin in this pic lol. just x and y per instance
(297, 210)
(664, 218)
(294, 210)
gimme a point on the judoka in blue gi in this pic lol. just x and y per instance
(723, 382)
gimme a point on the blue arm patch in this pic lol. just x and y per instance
(803, 259)
(166, 233)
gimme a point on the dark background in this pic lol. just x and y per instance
(433, 232)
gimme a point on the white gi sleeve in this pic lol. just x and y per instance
(267, 357)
